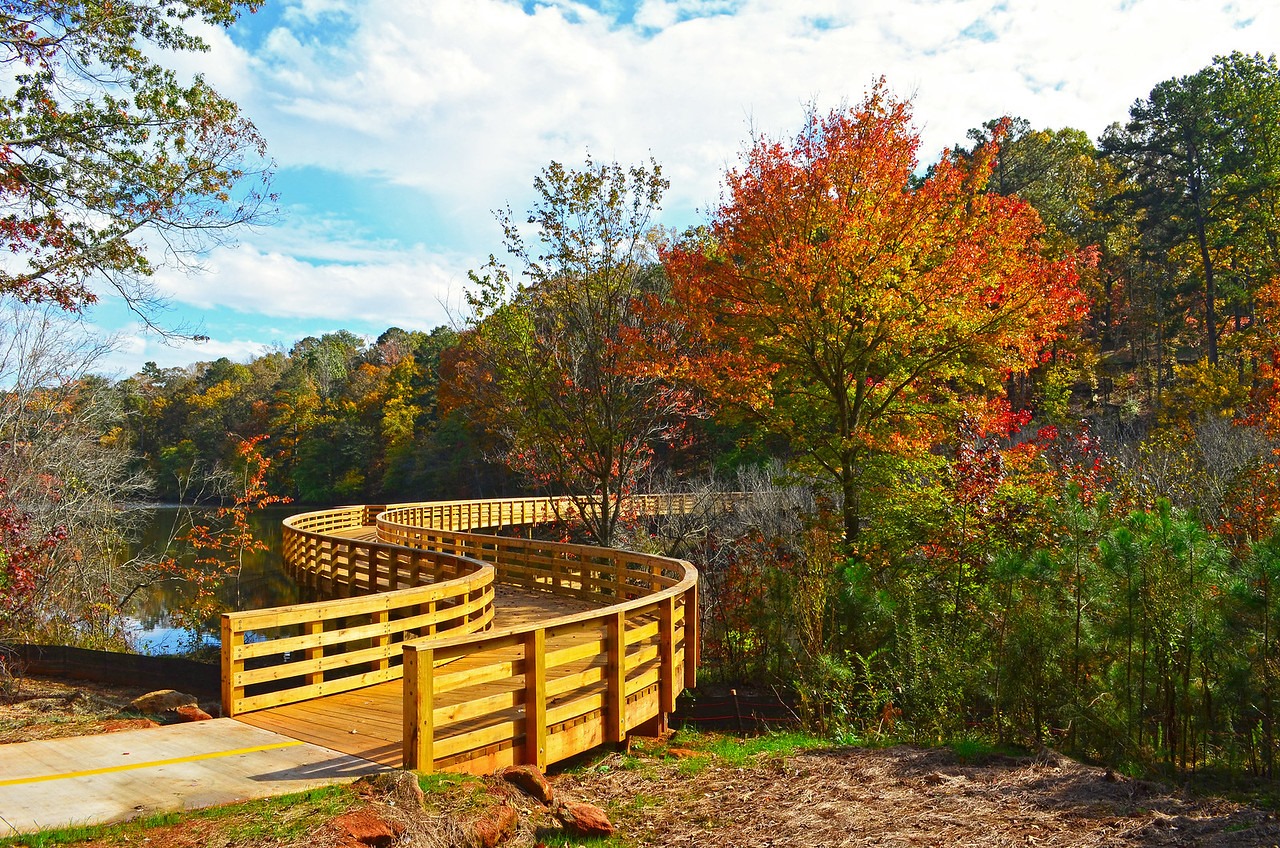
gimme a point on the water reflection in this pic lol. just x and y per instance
(262, 582)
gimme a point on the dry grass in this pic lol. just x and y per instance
(906, 796)
(43, 708)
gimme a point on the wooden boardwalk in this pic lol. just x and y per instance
(452, 642)
(369, 722)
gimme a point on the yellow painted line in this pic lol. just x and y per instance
(41, 778)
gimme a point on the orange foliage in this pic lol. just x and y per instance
(861, 310)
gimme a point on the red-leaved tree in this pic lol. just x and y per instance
(859, 309)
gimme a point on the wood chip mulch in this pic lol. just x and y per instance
(905, 796)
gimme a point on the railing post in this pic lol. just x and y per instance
(616, 695)
(419, 708)
(667, 655)
(535, 698)
(383, 640)
(314, 628)
(231, 694)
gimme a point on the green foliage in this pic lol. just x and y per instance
(1201, 156)
(568, 363)
(348, 421)
(107, 151)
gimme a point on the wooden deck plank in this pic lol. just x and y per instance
(363, 534)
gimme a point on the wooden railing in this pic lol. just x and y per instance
(499, 513)
(571, 683)
(382, 595)
(417, 602)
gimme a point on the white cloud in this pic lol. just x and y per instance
(412, 289)
(465, 100)
(133, 347)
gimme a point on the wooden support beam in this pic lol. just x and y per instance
(384, 641)
(314, 628)
(692, 637)
(667, 655)
(419, 709)
(535, 698)
(616, 699)
(231, 694)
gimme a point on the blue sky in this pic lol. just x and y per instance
(398, 126)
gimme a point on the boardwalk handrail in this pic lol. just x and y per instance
(413, 588)
(383, 595)
(584, 678)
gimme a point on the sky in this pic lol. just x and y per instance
(397, 127)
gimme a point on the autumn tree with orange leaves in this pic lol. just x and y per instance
(858, 309)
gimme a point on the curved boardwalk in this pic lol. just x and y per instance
(450, 642)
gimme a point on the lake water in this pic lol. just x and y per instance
(262, 581)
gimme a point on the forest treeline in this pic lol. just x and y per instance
(1009, 421)
(347, 420)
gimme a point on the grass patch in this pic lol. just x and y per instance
(560, 839)
(442, 782)
(736, 752)
(975, 749)
(693, 766)
(625, 762)
(640, 802)
(285, 818)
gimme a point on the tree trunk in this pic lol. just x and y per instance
(1210, 290)
(852, 496)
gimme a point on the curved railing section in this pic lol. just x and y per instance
(542, 692)
(416, 600)
(381, 596)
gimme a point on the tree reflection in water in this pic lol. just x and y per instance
(262, 583)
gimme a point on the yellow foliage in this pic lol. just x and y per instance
(1201, 390)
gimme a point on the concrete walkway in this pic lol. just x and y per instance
(119, 776)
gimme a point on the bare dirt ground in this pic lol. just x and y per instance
(899, 796)
(44, 708)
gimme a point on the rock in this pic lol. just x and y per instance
(362, 827)
(191, 712)
(530, 781)
(583, 819)
(495, 826)
(162, 701)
